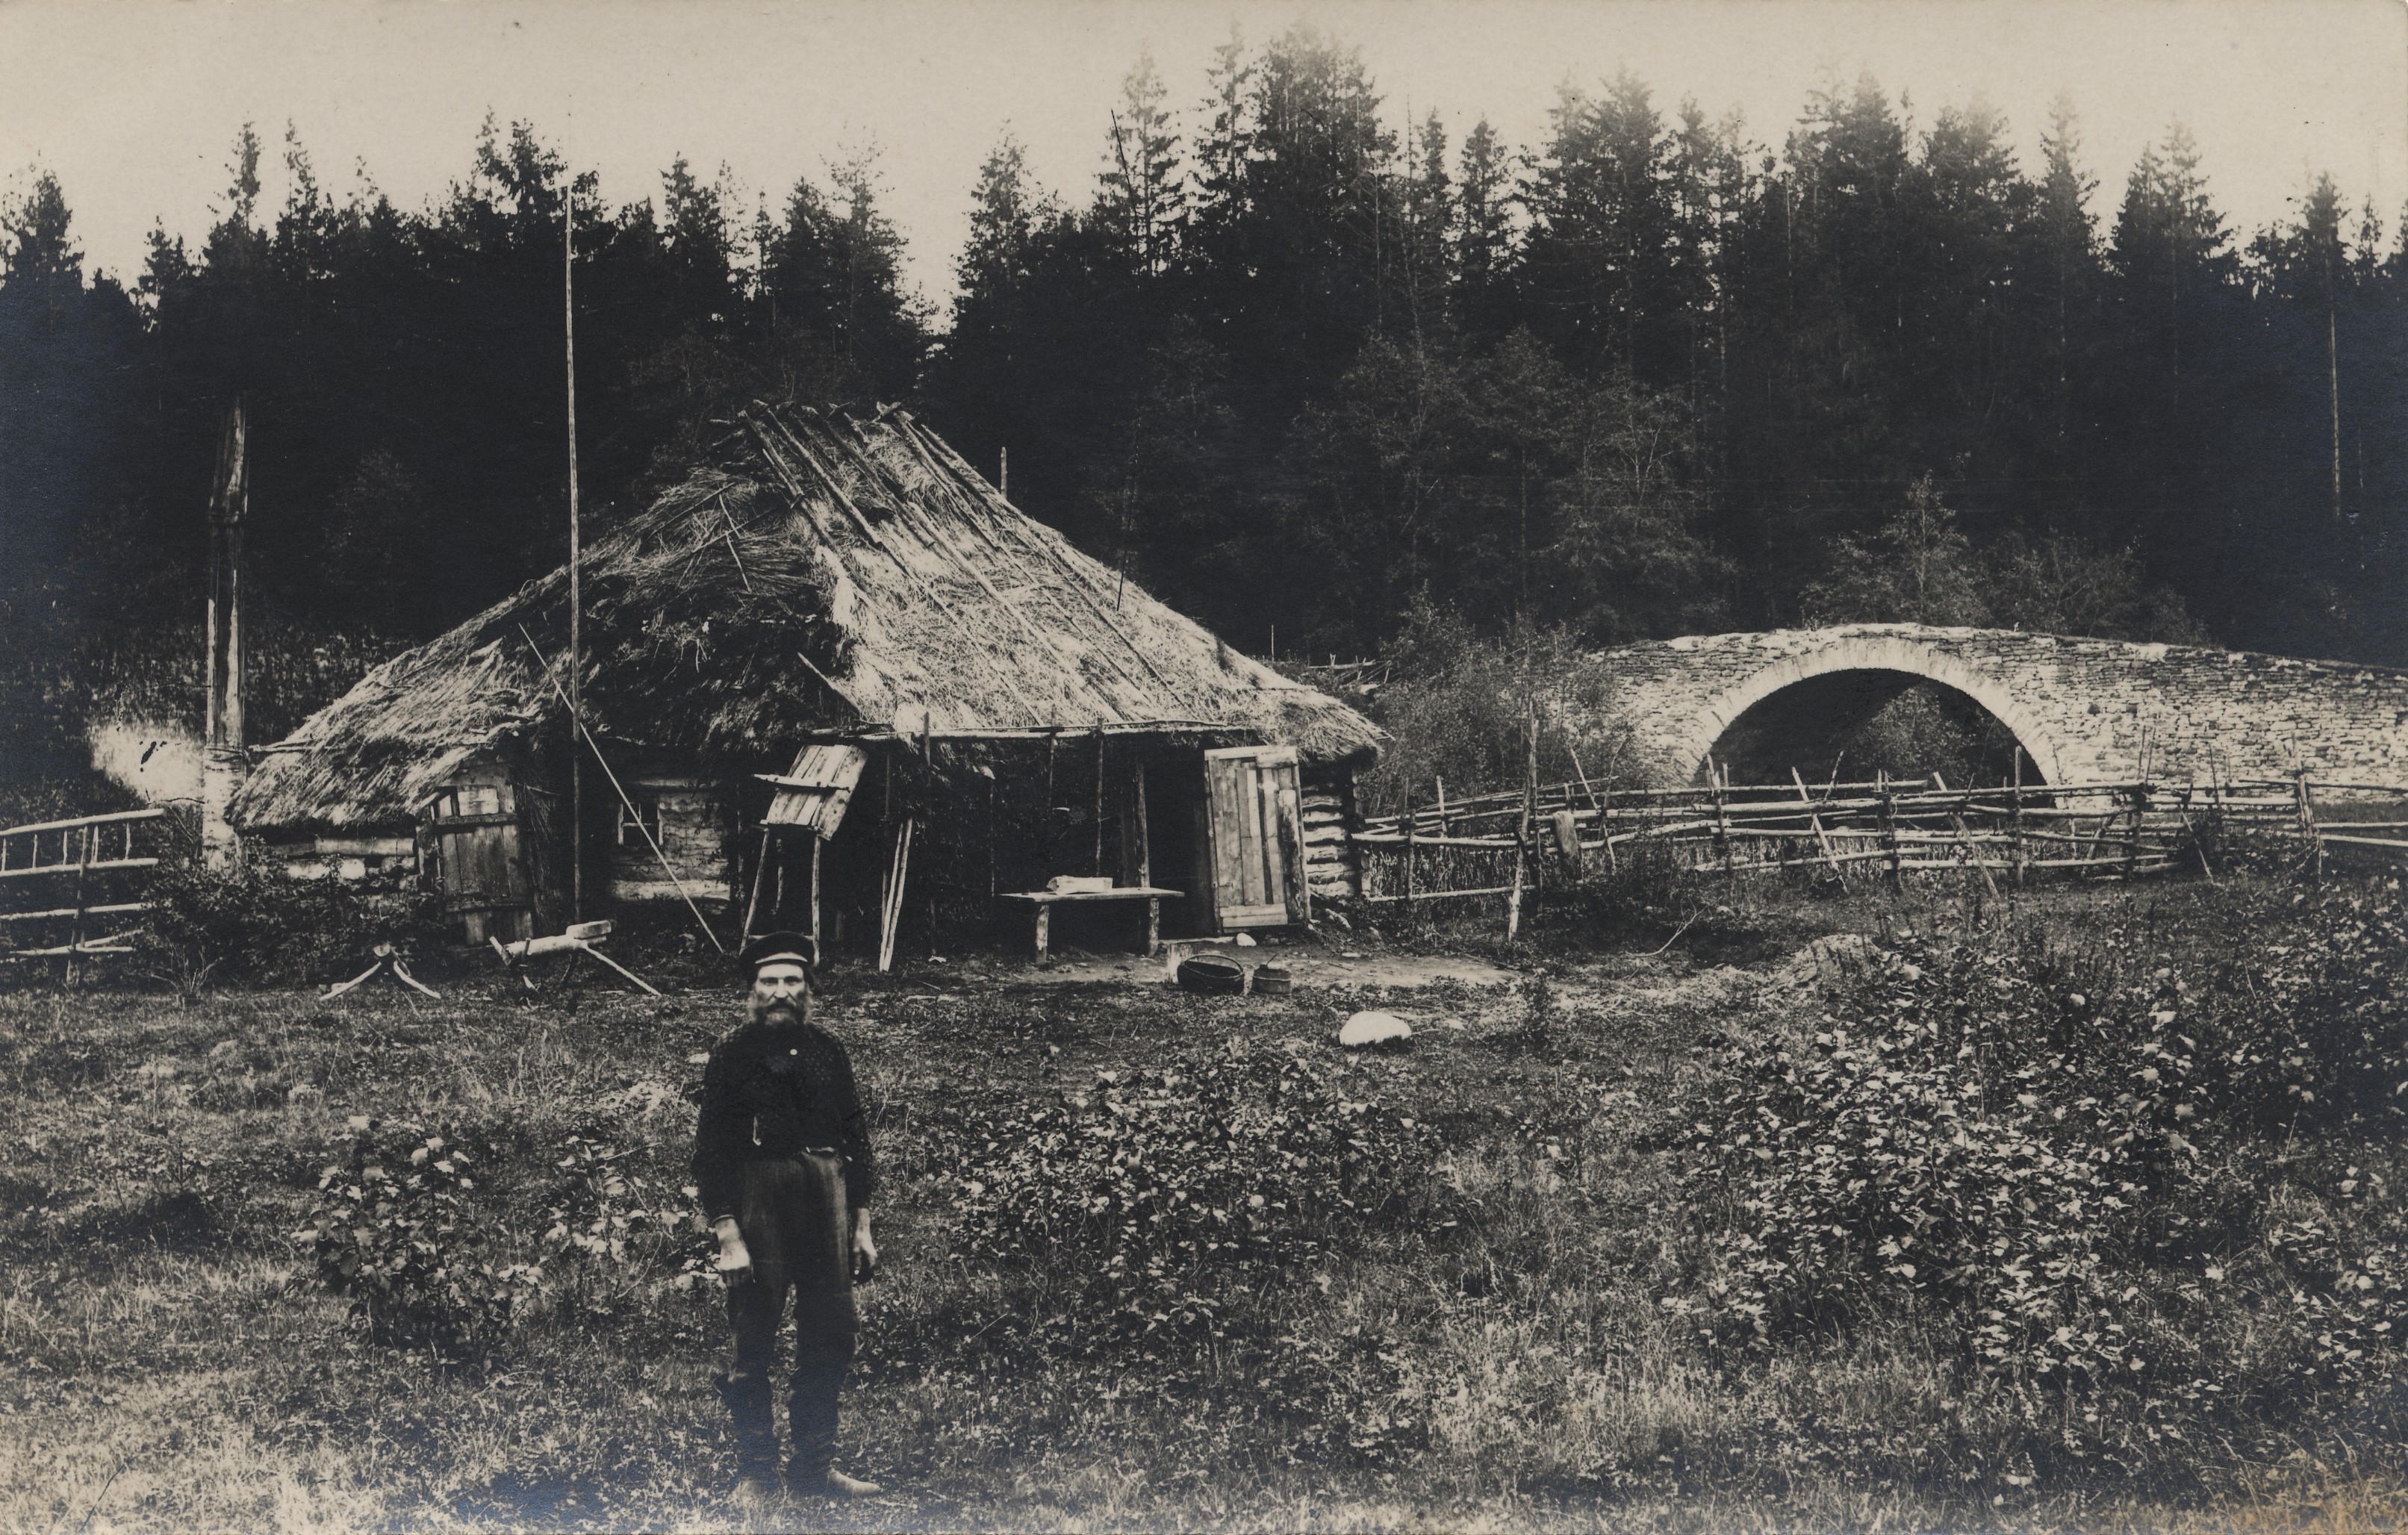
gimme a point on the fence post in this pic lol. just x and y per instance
(1722, 820)
(2020, 854)
(1889, 826)
(2132, 833)
(1522, 825)
(2308, 821)
(1409, 916)
(2197, 846)
(75, 928)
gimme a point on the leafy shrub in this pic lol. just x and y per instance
(263, 926)
(1170, 1214)
(432, 1254)
(1459, 709)
(396, 1230)
(616, 1222)
(1159, 1181)
(2072, 1161)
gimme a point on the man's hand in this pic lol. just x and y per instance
(734, 1261)
(864, 1247)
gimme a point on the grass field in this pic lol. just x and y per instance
(1510, 1339)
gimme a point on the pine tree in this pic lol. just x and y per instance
(1006, 208)
(844, 327)
(1142, 201)
(1483, 227)
(2066, 236)
(1221, 151)
(1424, 250)
(1599, 260)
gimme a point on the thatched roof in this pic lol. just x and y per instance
(819, 573)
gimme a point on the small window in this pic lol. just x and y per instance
(645, 817)
(462, 801)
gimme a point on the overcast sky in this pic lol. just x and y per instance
(133, 106)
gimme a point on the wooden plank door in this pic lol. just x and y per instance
(483, 880)
(1255, 833)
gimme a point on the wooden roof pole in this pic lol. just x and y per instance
(828, 476)
(576, 635)
(970, 477)
(802, 502)
(1008, 605)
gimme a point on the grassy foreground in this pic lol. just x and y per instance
(1510, 1335)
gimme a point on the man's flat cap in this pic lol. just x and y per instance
(781, 948)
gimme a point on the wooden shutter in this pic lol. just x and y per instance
(1255, 830)
(813, 797)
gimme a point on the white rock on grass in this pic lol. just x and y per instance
(1368, 1028)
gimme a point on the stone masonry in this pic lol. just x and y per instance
(2083, 709)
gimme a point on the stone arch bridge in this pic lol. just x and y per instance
(2082, 710)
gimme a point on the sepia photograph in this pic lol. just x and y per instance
(1203, 766)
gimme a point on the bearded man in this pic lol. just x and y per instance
(781, 1160)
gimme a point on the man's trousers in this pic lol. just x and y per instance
(793, 1219)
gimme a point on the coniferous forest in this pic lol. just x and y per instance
(1293, 365)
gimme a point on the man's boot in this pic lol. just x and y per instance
(748, 1402)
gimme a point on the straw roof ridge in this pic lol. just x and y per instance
(815, 571)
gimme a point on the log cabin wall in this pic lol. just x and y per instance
(682, 813)
(1333, 870)
(348, 857)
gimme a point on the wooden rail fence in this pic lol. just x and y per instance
(69, 889)
(1883, 828)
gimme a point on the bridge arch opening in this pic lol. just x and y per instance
(1821, 697)
(1848, 724)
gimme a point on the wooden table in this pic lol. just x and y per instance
(1044, 901)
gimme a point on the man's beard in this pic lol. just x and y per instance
(775, 1010)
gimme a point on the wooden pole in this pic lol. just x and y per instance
(1965, 840)
(222, 724)
(2197, 847)
(1441, 803)
(891, 916)
(1888, 825)
(1522, 826)
(760, 872)
(577, 723)
(1411, 916)
(1099, 799)
(2133, 831)
(2308, 821)
(2020, 854)
(1814, 821)
(1145, 860)
(239, 513)
(575, 592)
(1719, 775)
(817, 842)
(75, 929)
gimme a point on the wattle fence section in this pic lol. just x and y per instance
(1501, 844)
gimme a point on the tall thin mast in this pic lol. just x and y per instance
(223, 762)
(576, 604)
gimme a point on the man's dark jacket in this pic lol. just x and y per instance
(773, 1089)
